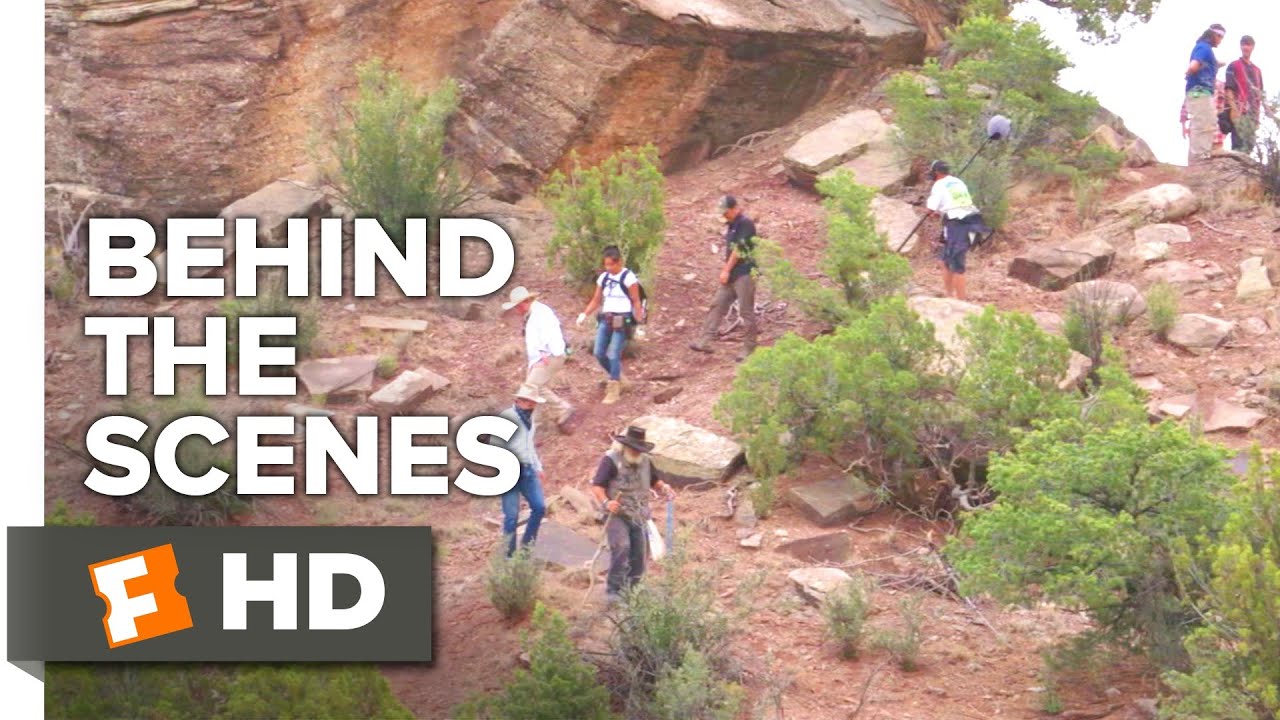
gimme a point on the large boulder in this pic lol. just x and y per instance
(834, 501)
(1199, 334)
(882, 165)
(1055, 266)
(1160, 204)
(836, 142)
(1254, 284)
(896, 219)
(945, 315)
(684, 454)
(1123, 300)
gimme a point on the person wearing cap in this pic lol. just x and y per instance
(1201, 75)
(736, 280)
(950, 198)
(544, 348)
(617, 297)
(521, 444)
(622, 484)
(1245, 96)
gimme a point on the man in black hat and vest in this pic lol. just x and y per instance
(622, 484)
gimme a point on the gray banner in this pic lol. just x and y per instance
(56, 614)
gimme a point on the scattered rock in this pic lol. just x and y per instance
(689, 277)
(1056, 266)
(834, 501)
(378, 322)
(1049, 322)
(1167, 233)
(1132, 177)
(1160, 204)
(1175, 272)
(1199, 334)
(1273, 318)
(896, 219)
(1257, 369)
(338, 377)
(685, 454)
(1107, 137)
(1271, 261)
(1254, 326)
(408, 390)
(831, 548)
(1147, 708)
(1229, 416)
(582, 504)
(1078, 367)
(946, 315)
(1150, 252)
(752, 541)
(666, 394)
(1137, 153)
(1176, 408)
(1150, 383)
(559, 545)
(814, 583)
(458, 308)
(745, 513)
(836, 142)
(1254, 283)
(1123, 300)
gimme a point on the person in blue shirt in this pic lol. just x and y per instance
(1201, 77)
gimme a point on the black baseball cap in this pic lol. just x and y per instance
(1247, 40)
(728, 201)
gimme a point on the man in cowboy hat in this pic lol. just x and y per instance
(544, 346)
(530, 483)
(622, 484)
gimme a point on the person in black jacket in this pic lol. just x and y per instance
(737, 281)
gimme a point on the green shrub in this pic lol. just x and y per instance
(860, 393)
(387, 366)
(904, 645)
(1087, 191)
(860, 266)
(558, 684)
(1162, 307)
(692, 691)
(513, 582)
(174, 691)
(156, 503)
(764, 495)
(1235, 669)
(63, 516)
(618, 202)
(60, 281)
(845, 610)
(392, 152)
(1089, 515)
(1091, 319)
(272, 301)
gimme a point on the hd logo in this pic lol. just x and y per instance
(225, 594)
(142, 600)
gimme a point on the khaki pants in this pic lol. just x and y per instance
(744, 291)
(540, 377)
(1204, 123)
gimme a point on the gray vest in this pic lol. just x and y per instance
(630, 486)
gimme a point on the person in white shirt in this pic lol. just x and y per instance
(544, 347)
(950, 199)
(617, 296)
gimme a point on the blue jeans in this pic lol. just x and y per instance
(531, 489)
(609, 344)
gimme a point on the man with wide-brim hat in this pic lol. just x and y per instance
(545, 348)
(527, 398)
(622, 484)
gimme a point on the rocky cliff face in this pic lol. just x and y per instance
(184, 105)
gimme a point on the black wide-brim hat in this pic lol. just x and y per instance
(634, 439)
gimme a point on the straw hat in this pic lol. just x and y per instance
(518, 295)
(529, 392)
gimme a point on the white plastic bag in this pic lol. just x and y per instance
(657, 546)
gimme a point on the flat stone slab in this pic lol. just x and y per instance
(814, 583)
(834, 501)
(560, 545)
(379, 322)
(340, 376)
(1175, 272)
(896, 219)
(833, 548)
(684, 454)
(408, 390)
(832, 144)
(1123, 301)
(1216, 415)
(882, 167)
(1168, 233)
(1056, 266)
(1198, 333)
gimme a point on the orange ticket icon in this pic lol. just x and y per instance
(141, 598)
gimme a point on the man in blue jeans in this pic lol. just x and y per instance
(617, 296)
(530, 483)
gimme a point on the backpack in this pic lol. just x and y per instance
(644, 296)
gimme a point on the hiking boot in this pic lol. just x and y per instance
(612, 391)
(700, 346)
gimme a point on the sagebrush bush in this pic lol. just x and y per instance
(157, 503)
(513, 582)
(692, 691)
(1087, 192)
(181, 691)
(387, 366)
(904, 645)
(272, 301)
(63, 516)
(618, 202)
(845, 610)
(558, 684)
(1162, 307)
(764, 495)
(1092, 318)
(392, 152)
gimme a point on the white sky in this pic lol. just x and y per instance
(1140, 78)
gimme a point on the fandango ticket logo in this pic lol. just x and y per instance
(142, 600)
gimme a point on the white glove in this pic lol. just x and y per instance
(582, 317)
(640, 333)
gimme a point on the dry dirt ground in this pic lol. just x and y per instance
(973, 665)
